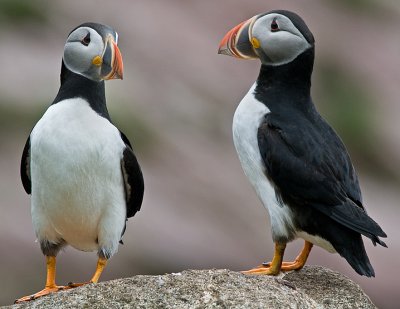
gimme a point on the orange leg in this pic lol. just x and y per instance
(101, 264)
(300, 260)
(274, 267)
(50, 286)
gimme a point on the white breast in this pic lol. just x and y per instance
(77, 185)
(246, 121)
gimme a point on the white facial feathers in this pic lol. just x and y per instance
(282, 44)
(82, 45)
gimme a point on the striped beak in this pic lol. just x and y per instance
(112, 67)
(237, 42)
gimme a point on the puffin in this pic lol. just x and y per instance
(297, 164)
(80, 170)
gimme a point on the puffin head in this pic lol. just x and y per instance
(91, 51)
(276, 38)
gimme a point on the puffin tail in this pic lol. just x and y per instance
(355, 254)
(354, 217)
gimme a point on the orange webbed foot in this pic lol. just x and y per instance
(262, 270)
(276, 265)
(44, 292)
(75, 285)
(299, 262)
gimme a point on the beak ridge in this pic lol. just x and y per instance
(227, 44)
(237, 43)
(116, 63)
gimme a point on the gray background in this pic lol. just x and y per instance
(176, 104)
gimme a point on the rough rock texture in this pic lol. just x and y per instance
(312, 287)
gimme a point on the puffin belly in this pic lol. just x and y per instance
(246, 121)
(77, 185)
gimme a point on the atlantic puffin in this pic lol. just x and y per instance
(297, 164)
(80, 170)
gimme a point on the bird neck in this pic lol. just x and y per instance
(77, 86)
(287, 84)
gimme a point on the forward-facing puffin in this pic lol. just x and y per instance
(295, 161)
(80, 170)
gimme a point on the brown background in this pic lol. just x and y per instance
(176, 104)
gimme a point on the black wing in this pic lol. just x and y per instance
(133, 179)
(311, 167)
(25, 167)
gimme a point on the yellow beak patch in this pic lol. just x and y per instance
(255, 42)
(98, 61)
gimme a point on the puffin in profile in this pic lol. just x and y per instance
(80, 170)
(297, 164)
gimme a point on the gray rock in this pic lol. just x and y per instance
(312, 287)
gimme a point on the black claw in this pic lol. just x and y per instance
(32, 297)
(266, 264)
(70, 283)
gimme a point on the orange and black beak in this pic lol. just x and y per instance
(238, 42)
(112, 66)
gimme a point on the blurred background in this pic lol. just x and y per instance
(176, 104)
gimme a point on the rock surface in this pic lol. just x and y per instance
(312, 287)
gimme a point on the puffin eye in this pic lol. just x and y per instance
(86, 40)
(274, 25)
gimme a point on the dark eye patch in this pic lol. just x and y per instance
(274, 25)
(86, 40)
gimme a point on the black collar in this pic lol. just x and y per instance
(286, 86)
(76, 86)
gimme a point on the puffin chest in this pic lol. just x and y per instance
(247, 119)
(75, 170)
(72, 132)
